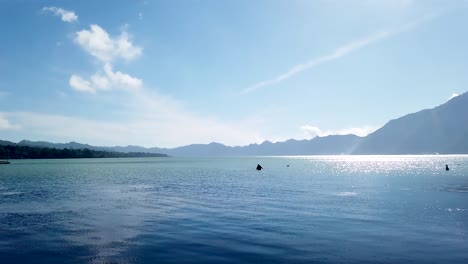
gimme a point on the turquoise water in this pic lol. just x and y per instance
(335, 209)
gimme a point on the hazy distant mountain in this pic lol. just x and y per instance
(317, 146)
(443, 129)
(6, 143)
(76, 145)
(28, 152)
(44, 144)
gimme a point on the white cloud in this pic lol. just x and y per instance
(121, 80)
(98, 43)
(66, 16)
(100, 82)
(80, 84)
(102, 46)
(453, 96)
(140, 16)
(313, 131)
(337, 54)
(5, 124)
(105, 80)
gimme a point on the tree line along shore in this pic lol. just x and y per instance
(25, 152)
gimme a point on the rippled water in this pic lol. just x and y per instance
(335, 209)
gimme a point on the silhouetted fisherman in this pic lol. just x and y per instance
(259, 167)
(446, 167)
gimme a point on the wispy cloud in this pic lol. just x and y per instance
(335, 55)
(393, 4)
(313, 131)
(66, 15)
(151, 119)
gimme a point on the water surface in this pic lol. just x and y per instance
(329, 209)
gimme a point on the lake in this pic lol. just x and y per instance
(320, 209)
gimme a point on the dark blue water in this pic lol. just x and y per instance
(377, 209)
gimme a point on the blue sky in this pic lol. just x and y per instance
(171, 73)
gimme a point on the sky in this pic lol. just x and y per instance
(173, 73)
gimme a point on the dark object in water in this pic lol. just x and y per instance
(287, 165)
(4, 162)
(446, 167)
(259, 167)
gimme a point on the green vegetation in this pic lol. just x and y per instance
(25, 152)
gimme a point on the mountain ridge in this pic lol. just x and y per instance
(442, 129)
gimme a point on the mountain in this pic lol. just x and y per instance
(443, 129)
(131, 150)
(6, 143)
(76, 145)
(328, 145)
(44, 144)
(317, 146)
(27, 152)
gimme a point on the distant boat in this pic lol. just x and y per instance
(4, 162)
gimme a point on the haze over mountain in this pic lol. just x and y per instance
(443, 129)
